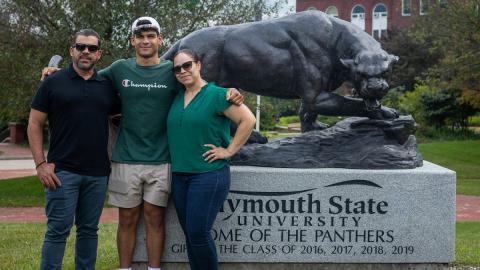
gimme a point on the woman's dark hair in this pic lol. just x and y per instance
(190, 53)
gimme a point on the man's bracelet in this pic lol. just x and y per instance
(38, 165)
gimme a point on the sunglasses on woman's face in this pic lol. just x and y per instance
(186, 66)
(81, 47)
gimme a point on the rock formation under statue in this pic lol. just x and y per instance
(355, 143)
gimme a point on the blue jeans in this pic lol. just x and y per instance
(79, 199)
(198, 198)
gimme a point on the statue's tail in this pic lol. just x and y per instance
(171, 52)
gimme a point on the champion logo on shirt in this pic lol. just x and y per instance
(130, 83)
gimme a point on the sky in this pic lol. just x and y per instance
(290, 5)
(288, 8)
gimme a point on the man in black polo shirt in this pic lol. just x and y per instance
(77, 102)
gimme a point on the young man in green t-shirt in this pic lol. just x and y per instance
(140, 167)
(140, 157)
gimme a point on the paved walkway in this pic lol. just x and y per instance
(16, 161)
(16, 168)
(13, 151)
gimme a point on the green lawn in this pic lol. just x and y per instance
(461, 156)
(23, 192)
(20, 245)
(467, 243)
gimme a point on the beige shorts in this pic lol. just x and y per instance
(129, 184)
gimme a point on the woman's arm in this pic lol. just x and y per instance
(243, 117)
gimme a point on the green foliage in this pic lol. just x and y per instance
(426, 133)
(474, 121)
(416, 56)
(411, 102)
(285, 120)
(430, 107)
(329, 120)
(444, 106)
(393, 97)
(453, 33)
(270, 109)
(440, 51)
(33, 31)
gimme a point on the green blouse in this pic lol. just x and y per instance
(201, 122)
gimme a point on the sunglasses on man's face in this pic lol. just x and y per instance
(186, 66)
(81, 47)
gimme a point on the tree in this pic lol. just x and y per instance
(444, 107)
(416, 56)
(454, 31)
(33, 30)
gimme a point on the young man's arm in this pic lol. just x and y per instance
(45, 171)
(234, 96)
(47, 71)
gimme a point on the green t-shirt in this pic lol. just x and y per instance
(146, 93)
(200, 123)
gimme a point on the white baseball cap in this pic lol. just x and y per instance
(145, 23)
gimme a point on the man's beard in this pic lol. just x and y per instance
(83, 66)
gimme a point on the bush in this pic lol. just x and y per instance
(428, 134)
(330, 120)
(394, 97)
(474, 121)
(286, 120)
(445, 107)
(410, 103)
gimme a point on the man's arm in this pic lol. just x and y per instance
(47, 71)
(45, 171)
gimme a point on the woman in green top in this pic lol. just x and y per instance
(198, 129)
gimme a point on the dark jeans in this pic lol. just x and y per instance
(198, 198)
(79, 199)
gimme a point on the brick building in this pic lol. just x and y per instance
(375, 17)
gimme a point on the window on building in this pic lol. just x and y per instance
(358, 16)
(442, 2)
(379, 21)
(406, 7)
(424, 7)
(332, 11)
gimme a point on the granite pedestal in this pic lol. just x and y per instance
(277, 218)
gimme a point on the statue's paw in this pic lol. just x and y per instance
(313, 126)
(383, 113)
(389, 113)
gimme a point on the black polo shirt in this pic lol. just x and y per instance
(78, 113)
